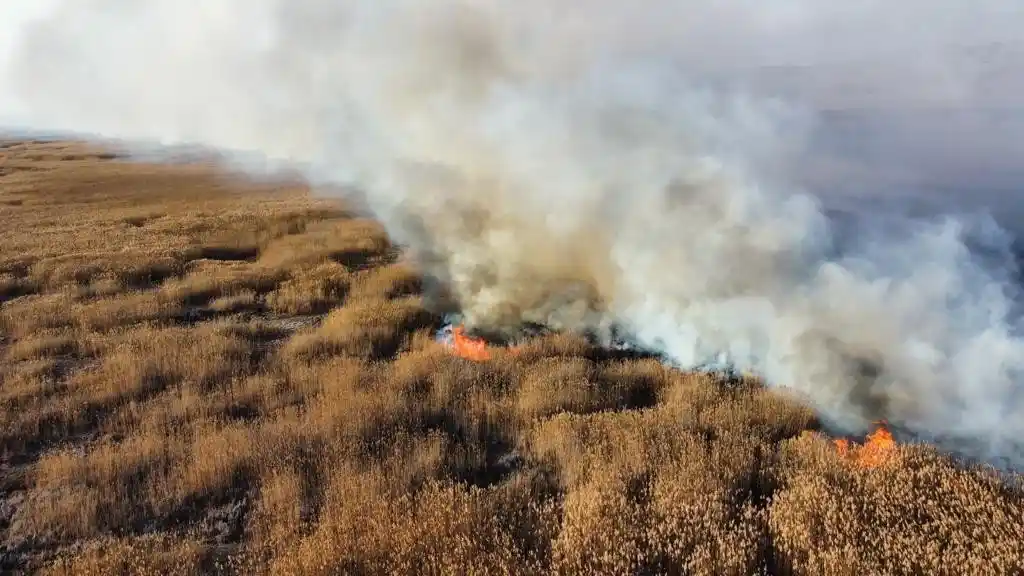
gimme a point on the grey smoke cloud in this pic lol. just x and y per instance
(664, 165)
(912, 98)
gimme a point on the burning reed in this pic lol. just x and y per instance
(607, 174)
(272, 436)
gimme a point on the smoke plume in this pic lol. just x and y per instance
(795, 189)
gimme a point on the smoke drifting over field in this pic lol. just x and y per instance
(665, 166)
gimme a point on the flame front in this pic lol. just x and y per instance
(454, 337)
(467, 346)
(878, 448)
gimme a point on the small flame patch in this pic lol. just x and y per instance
(468, 347)
(879, 448)
(464, 345)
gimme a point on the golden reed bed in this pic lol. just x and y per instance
(206, 375)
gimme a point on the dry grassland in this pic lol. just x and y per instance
(201, 375)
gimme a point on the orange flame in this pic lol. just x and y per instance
(469, 347)
(879, 448)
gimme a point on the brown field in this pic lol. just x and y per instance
(202, 375)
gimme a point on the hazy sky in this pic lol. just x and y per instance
(920, 94)
(15, 16)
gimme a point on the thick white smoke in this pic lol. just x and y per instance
(662, 165)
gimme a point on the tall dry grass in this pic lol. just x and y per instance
(205, 375)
